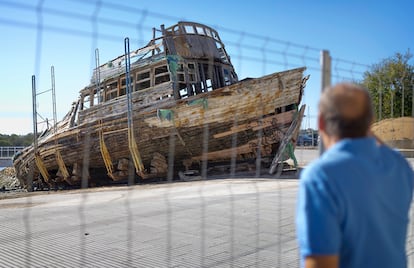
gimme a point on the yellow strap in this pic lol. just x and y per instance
(41, 166)
(105, 154)
(61, 164)
(133, 148)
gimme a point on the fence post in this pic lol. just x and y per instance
(325, 81)
(412, 97)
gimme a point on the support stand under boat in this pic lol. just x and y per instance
(276, 166)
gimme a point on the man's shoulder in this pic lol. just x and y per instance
(318, 169)
(332, 159)
(386, 149)
(394, 156)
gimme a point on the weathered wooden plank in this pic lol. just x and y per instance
(255, 125)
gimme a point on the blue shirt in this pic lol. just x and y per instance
(354, 202)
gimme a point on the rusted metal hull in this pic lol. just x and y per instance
(239, 122)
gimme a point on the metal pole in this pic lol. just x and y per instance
(326, 82)
(380, 103)
(52, 74)
(402, 98)
(326, 69)
(392, 100)
(97, 75)
(34, 114)
(127, 81)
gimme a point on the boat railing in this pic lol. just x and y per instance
(116, 67)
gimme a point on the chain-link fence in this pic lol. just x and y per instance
(226, 214)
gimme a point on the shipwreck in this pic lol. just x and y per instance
(172, 106)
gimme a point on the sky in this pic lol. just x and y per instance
(261, 37)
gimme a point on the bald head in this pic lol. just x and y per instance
(346, 111)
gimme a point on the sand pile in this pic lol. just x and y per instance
(397, 132)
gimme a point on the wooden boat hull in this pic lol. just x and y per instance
(241, 122)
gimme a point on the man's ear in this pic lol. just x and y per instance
(321, 122)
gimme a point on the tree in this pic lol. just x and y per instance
(16, 140)
(391, 85)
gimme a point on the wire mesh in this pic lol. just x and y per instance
(226, 220)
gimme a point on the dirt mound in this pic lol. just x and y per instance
(8, 179)
(397, 132)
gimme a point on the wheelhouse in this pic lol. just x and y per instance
(187, 59)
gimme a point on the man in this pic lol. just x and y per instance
(354, 201)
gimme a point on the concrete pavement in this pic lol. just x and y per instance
(242, 222)
(216, 223)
